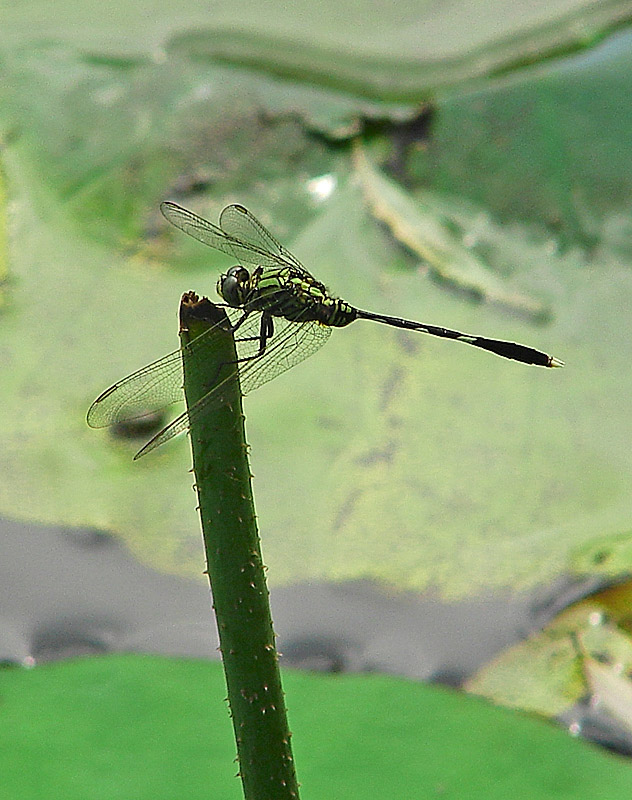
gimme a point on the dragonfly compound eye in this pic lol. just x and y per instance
(233, 286)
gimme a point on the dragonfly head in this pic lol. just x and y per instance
(233, 287)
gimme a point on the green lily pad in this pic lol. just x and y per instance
(361, 48)
(389, 456)
(605, 555)
(129, 726)
(408, 460)
(580, 653)
(613, 687)
(113, 139)
(548, 144)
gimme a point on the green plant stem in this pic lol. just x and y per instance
(234, 563)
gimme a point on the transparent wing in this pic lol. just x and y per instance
(247, 252)
(148, 389)
(153, 387)
(291, 343)
(240, 224)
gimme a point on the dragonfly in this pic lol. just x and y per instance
(280, 315)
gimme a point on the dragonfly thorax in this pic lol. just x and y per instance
(284, 292)
(234, 286)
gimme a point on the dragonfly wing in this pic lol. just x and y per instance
(148, 389)
(155, 386)
(178, 425)
(227, 374)
(292, 343)
(209, 234)
(238, 223)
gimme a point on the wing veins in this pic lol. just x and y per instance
(240, 224)
(213, 236)
(251, 376)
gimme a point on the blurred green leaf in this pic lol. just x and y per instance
(419, 222)
(547, 144)
(361, 48)
(129, 726)
(580, 654)
(613, 689)
(609, 555)
(112, 140)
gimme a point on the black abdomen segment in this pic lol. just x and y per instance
(513, 350)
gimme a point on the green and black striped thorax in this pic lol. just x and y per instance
(284, 292)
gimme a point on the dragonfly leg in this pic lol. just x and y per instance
(266, 331)
(241, 320)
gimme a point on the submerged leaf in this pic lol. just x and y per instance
(419, 224)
